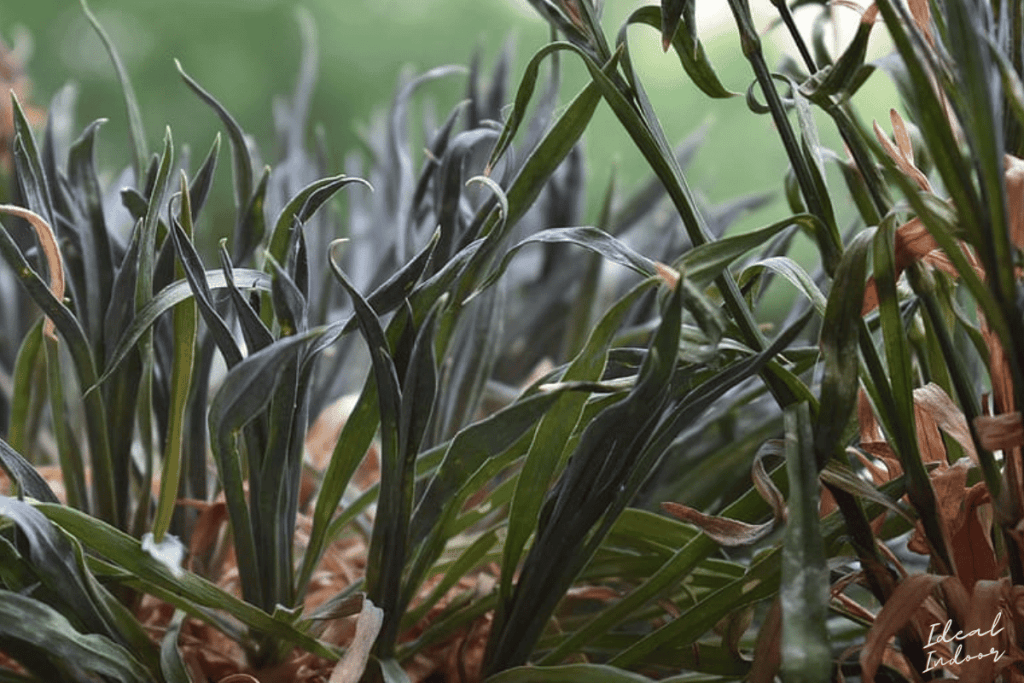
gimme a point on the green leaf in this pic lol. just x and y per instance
(187, 592)
(31, 176)
(842, 77)
(81, 354)
(24, 475)
(386, 556)
(589, 238)
(137, 134)
(899, 387)
(257, 336)
(804, 594)
(98, 256)
(749, 507)
(69, 455)
(759, 582)
(251, 223)
(704, 263)
(199, 189)
(840, 339)
(840, 476)
(671, 15)
(185, 330)
(468, 450)
(518, 111)
(290, 306)
(553, 432)
(28, 621)
(245, 391)
(242, 162)
(533, 175)
(689, 49)
(54, 562)
(301, 208)
(170, 296)
(26, 404)
(794, 273)
(468, 560)
(148, 235)
(172, 666)
(581, 506)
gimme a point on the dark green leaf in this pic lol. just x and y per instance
(690, 50)
(290, 307)
(806, 654)
(840, 331)
(469, 449)
(704, 263)
(137, 135)
(172, 666)
(174, 294)
(24, 475)
(589, 238)
(188, 592)
(30, 622)
(199, 189)
(199, 285)
(251, 223)
(256, 334)
(242, 162)
(301, 208)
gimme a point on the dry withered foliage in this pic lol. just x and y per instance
(969, 623)
(730, 532)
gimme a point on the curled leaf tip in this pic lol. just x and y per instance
(54, 262)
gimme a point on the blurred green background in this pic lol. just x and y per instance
(246, 52)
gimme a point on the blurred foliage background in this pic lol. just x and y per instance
(246, 52)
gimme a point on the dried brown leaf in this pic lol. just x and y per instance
(722, 530)
(902, 137)
(602, 593)
(767, 488)
(936, 404)
(48, 243)
(768, 649)
(902, 152)
(895, 614)
(869, 429)
(922, 15)
(1014, 174)
(668, 274)
(929, 440)
(1000, 432)
(351, 666)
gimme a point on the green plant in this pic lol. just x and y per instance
(131, 331)
(513, 407)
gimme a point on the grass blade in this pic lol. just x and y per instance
(30, 622)
(188, 592)
(242, 161)
(806, 655)
(185, 325)
(137, 134)
(24, 475)
(245, 391)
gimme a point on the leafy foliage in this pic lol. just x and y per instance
(458, 382)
